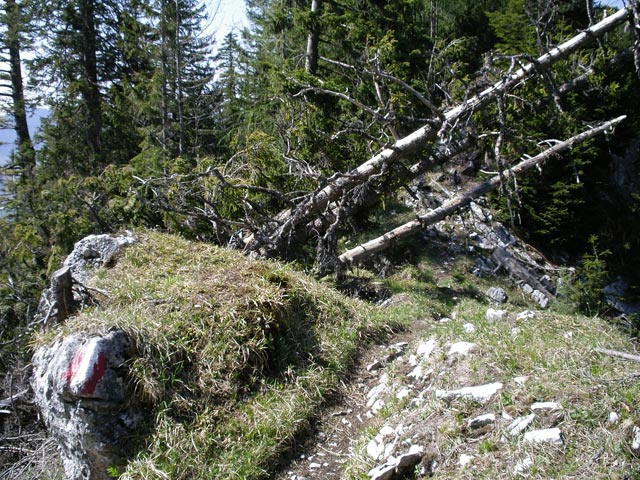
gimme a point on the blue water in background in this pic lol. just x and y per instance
(7, 145)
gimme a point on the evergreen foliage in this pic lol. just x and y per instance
(149, 128)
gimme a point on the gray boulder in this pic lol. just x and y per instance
(79, 387)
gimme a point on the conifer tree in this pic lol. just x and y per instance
(14, 23)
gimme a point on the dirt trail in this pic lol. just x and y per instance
(324, 453)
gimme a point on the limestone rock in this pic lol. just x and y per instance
(469, 327)
(481, 421)
(59, 300)
(547, 435)
(526, 315)
(545, 406)
(494, 315)
(520, 424)
(497, 294)
(480, 393)
(94, 251)
(461, 348)
(80, 390)
(425, 349)
(398, 466)
(635, 442)
(540, 298)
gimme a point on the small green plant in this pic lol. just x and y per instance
(591, 277)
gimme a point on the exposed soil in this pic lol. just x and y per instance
(323, 453)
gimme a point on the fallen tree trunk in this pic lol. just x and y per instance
(277, 235)
(465, 198)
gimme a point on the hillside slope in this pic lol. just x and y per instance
(250, 369)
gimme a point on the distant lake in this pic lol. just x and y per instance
(8, 139)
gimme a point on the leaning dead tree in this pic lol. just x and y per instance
(465, 198)
(284, 230)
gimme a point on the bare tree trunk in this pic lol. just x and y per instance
(276, 236)
(90, 87)
(311, 61)
(467, 197)
(26, 152)
(179, 83)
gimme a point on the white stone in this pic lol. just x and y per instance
(545, 406)
(469, 328)
(383, 472)
(465, 460)
(416, 373)
(425, 349)
(314, 465)
(480, 393)
(520, 424)
(413, 360)
(494, 315)
(547, 435)
(523, 465)
(481, 420)
(614, 418)
(377, 406)
(375, 449)
(635, 444)
(568, 335)
(403, 393)
(461, 348)
(520, 381)
(526, 315)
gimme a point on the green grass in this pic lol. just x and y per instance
(554, 351)
(232, 358)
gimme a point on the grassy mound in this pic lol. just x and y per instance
(233, 356)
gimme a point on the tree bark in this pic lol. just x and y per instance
(465, 198)
(275, 236)
(311, 61)
(90, 86)
(26, 152)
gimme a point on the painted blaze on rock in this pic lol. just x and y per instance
(87, 368)
(79, 386)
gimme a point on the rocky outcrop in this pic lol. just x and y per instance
(78, 382)
(65, 293)
(80, 390)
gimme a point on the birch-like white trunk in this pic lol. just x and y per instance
(291, 219)
(465, 198)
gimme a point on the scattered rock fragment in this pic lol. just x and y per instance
(546, 435)
(480, 393)
(540, 298)
(520, 424)
(497, 294)
(395, 350)
(481, 421)
(465, 460)
(375, 365)
(396, 467)
(545, 406)
(461, 348)
(526, 315)
(635, 443)
(425, 349)
(614, 418)
(494, 315)
(469, 328)
(523, 465)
